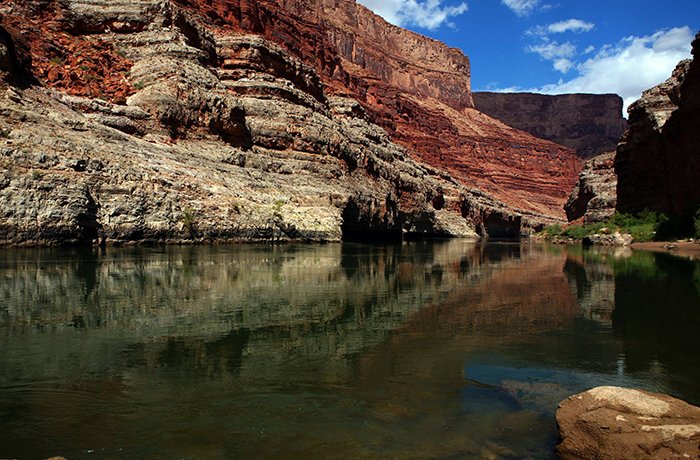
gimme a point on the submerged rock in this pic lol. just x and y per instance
(620, 423)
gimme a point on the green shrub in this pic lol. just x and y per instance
(696, 224)
(643, 226)
(188, 220)
(553, 230)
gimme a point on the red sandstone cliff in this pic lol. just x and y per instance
(418, 89)
(658, 161)
(591, 124)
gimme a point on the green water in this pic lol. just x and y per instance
(417, 350)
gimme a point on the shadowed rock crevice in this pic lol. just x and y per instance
(15, 57)
(87, 221)
(366, 219)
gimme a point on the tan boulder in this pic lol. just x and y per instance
(620, 423)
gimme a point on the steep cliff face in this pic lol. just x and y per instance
(590, 124)
(595, 196)
(414, 87)
(230, 121)
(657, 163)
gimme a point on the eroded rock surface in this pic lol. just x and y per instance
(174, 121)
(595, 195)
(612, 422)
(657, 163)
(590, 124)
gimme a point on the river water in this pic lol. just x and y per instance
(442, 349)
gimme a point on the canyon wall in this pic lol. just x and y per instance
(658, 161)
(414, 87)
(595, 196)
(177, 121)
(590, 124)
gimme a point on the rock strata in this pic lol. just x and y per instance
(590, 124)
(418, 90)
(182, 121)
(657, 163)
(595, 195)
(612, 422)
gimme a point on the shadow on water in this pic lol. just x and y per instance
(411, 350)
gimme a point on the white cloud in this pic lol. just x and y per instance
(589, 50)
(428, 14)
(553, 50)
(521, 7)
(570, 25)
(627, 68)
(563, 65)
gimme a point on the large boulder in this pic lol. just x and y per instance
(620, 423)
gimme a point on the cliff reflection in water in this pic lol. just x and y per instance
(412, 350)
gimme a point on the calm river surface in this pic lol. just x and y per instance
(416, 350)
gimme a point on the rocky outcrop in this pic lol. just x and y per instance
(616, 239)
(419, 91)
(176, 121)
(595, 195)
(590, 124)
(657, 163)
(611, 422)
(261, 166)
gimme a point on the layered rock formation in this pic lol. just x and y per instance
(591, 124)
(611, 422)
(657, 163)
(229, 121)
(417, 89)
(595, 195)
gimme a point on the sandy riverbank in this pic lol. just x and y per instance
(684, 248)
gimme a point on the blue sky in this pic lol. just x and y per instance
(557, 46)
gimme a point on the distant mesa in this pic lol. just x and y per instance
(590, 124)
